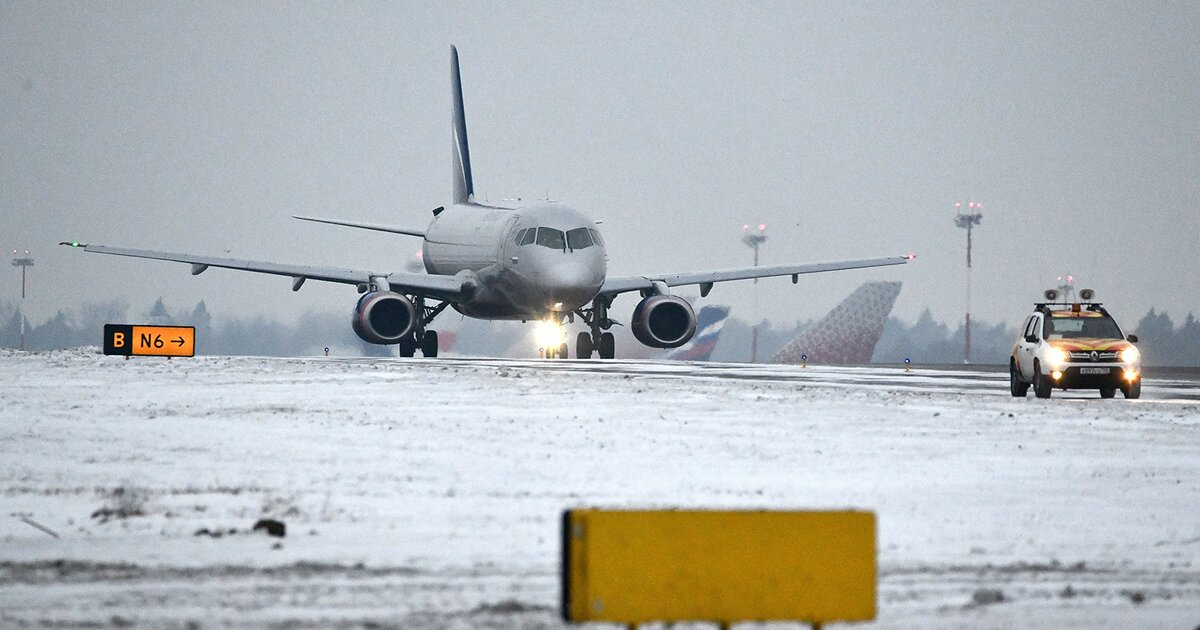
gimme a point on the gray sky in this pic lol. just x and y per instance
(850, 129)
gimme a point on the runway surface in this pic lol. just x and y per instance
(427, 493)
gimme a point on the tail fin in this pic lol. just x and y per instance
(464, 190)
(709, 323)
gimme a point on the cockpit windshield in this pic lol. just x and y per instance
(579, 238)
(552, 238)
(1081, 327)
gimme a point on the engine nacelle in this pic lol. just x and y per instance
(663, 321)
(384, 317)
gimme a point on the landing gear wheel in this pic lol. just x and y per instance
(1133, 390)
(408, 346)
(1108, 392)
(563, 351)
(1041, 383)
(1016, 386)
(429, 344)
(607, 347)
(583, 346)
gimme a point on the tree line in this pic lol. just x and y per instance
(1161, 340)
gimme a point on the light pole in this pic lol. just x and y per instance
(967, 221)
(23, 263)
(754, 240)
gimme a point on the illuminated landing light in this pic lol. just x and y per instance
(1056, 375)
(548, 334)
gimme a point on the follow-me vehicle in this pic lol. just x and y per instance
(1074, 345)
(538, 260)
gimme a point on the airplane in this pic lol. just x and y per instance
(529, 261)
(709, 323)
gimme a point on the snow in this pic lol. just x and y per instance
(428, 493)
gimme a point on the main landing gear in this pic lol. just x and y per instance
(596, 318)
(425, 340)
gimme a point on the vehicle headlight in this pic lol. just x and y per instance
(1130, 354)
(1058, 355)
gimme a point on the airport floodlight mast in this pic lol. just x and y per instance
(23, 263)
(754, 240)
(968, 220)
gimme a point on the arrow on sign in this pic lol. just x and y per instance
(178, 342)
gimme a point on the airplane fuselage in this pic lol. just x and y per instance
(531, 259)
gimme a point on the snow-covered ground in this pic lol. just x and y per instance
(428, 493)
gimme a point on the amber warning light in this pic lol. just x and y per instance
(149, 341)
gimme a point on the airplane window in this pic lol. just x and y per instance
(579, 238)
(529, 235)
(517, 238)
(552, 238)
(595, 236)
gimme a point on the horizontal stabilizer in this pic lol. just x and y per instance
(378, 227)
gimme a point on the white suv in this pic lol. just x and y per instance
(1074, 346)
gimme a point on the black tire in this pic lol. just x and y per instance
(583, 346)
(408, 347)
(563, 351)
(1133, 390)
(1016, 386)
(1108, 392)
(608, 346)
(429, 344)
(1041, 383)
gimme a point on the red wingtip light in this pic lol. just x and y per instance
(911, 257)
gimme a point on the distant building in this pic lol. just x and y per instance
(848, 334)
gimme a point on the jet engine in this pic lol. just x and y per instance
(384, 317)
(663, 321)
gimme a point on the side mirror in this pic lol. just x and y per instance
(1132, 338)
(1031, 338)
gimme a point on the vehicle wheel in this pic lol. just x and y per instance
(608, 346)
(408, 347)
(583, 346)
(1016, 386)
(429, 344)
(1108, 392)
(563, 351)
(1133, 390)
(1041, 383)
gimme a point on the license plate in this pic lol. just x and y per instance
(1093, 370)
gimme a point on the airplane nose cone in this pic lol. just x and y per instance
(572, 285)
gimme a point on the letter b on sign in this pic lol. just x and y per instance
(117, 339)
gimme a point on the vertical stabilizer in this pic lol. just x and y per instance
(464, 190)
(709, 323)
(848, 334)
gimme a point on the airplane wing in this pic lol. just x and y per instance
(622, 284)
(379, 227)
(437, 286)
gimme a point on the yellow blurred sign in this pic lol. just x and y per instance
(636, 567)
(159, 341)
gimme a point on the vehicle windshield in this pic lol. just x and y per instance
(552, 238)
(1081, 327)
(579, 238)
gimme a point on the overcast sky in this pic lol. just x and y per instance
(850, 129)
